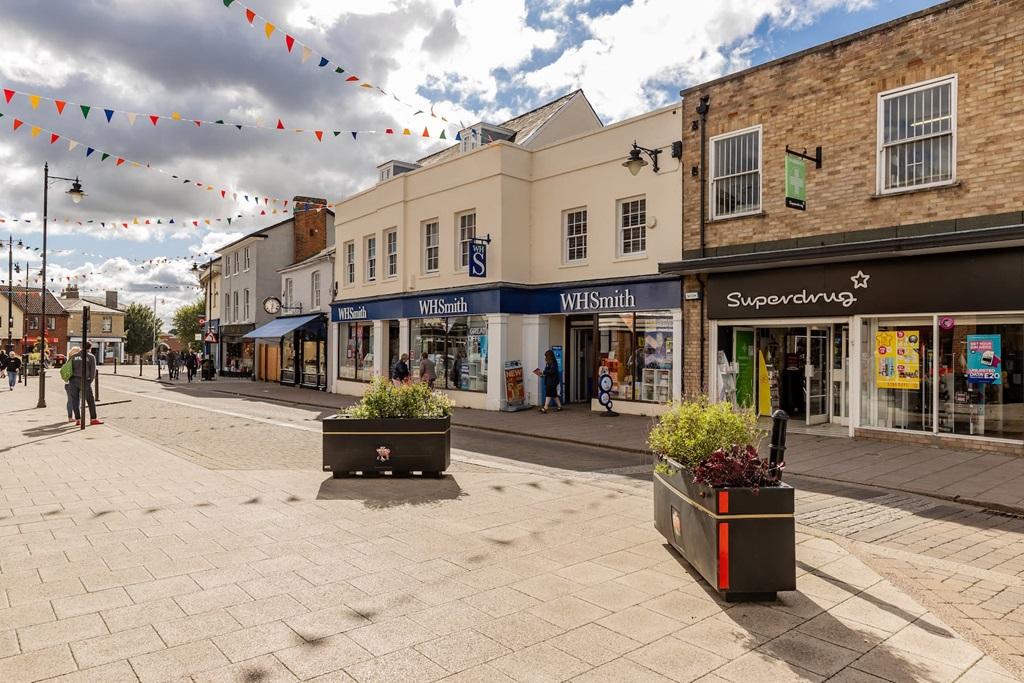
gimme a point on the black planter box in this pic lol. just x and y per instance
(416, 445)
(743, 543)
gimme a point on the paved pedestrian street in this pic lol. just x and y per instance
(194, 538)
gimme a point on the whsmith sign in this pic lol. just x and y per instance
(635, 296)
(967, 281)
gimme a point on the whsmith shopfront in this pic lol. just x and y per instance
(625, 329)
(931, 345)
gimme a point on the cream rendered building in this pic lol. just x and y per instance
(572, 262)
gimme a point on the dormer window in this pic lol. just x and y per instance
(481, 134)
(390, 169)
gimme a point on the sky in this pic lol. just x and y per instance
(433, 64)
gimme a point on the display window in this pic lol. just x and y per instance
(897, 357)
(355, 351)
(240, 357)
(980, 383)
(288, 360)
(636, 351)
(457, 346)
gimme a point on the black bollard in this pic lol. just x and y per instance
(778, 448)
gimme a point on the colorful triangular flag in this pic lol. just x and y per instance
(268, 29)
(85, 110)
(34, 101)
(249, 15)
(8, 94)
(109, 113)
(289, 42)
(60, 104)
(323, 62)
(306, 52)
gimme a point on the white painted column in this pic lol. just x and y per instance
(380, 360)
(535, 343)
(677, 354)
(403, 341)
(332, 357)
(497, 345)
(854, 386)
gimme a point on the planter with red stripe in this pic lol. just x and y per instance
(742, 541)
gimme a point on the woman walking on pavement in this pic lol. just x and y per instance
(13, 366)
(66, 376)
(552, 382)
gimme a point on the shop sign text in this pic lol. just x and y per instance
(437, 307)
(350, 313)
(593, 300)
(844, 298)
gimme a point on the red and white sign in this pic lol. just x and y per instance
(210, 337)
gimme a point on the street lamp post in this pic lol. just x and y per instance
(11, 270)
(76, 195)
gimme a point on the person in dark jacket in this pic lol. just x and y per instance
(78, 385)
(13, 367)
(552, 382)
(400, 374)
(190, 364)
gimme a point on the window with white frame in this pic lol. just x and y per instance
(236, 263)
(632, 226)
(234, 308)
(227, 306)
(736, 173)
(575, 225)
(371, 258)
(391, 253)
(108, 323)
(467, 231)
(246, 304)
(431, 246)
(350, 263)
(289, 288)
(917, 135)
(246, 260)
(314, 287)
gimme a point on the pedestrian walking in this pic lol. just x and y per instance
(400, 373)
(81, 380)
(552, 382)
(13, 367)
(172, 365)
(190, 365)
(3, 362)
(428, 370)
(66, 371)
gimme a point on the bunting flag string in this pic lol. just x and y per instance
(109, 113)
(90, 152)
(323, 63)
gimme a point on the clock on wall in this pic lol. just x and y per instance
(272, 305)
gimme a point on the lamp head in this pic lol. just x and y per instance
(76, 191)
(634, 163)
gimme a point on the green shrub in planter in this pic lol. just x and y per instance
(691, 431)
(383, 399)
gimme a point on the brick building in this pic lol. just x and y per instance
(106, 324)
(28, 301)
(894, 304)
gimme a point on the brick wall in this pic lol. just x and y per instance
(830, 98)
(310, 227)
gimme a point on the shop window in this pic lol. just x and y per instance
(896, 364)
(355, 351)
(636, 351)
(391, 244)
(350, 263)
(371, 259)
(736, 173)
(467, 231)
(632, 226)
(431, 246)
(980, 384)
(575, 222)
(917, 135)
(458, 348)
(288, 360)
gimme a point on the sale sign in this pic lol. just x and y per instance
(983, 361)
(898, 359)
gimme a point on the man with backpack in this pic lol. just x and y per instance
(81, 380)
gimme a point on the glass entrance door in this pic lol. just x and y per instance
(840, 374)
(816, 373)
(582, 368)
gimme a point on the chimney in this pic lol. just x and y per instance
(310, 226)
(70, 292)
(111, 299)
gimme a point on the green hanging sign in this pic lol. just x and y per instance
(796, 183)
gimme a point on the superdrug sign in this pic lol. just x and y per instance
(967, 281)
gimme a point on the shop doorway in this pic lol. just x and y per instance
(801, 369)
(581, 362)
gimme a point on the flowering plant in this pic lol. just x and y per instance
(737, 466)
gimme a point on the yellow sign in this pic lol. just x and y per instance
(898, 359)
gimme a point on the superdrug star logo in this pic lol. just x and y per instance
(860, 280)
